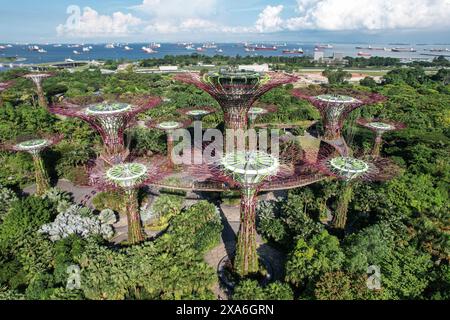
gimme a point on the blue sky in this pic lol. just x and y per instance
(231, 20)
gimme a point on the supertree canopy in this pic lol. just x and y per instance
(236, 90)
(197, 113)
(257, 111)
(129, 177)
(350, 170)
(37, 79)
(34, 146)
(110, 116)
(169, 126)
(380, 127)
(334, 107)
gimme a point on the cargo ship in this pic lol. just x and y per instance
(403, 50)
(293, 51)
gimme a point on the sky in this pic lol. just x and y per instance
(376, 21)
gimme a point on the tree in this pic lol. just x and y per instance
(312, 258)
(336, 76)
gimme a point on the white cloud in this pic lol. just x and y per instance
(371, 15)
(92, 24)
(269, 19)
(175, 9)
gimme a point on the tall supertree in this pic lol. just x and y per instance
(380, 127)
(4, 86)
(255, 112)
(169, 126)
(34, 145)
(110, 116)
(247, 171)
(351, 170)
(37, 79)
(236, 90)
(197, 113)
(128, 177)
(334, 107)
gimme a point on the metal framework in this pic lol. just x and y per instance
(334, 107)
(236, 90)
(34, 145)
(380, 126)
(169, 126)
(129, 177)
(110, 116)
(37, 79)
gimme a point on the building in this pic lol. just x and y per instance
(255, 67)
(338, 56)
(318, 55)
(168, 68)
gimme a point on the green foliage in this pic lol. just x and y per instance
(342, 286)
(24, 217)
(109, 200)
(251, 290)
(7, 197)
(311, 258)
(336, 76)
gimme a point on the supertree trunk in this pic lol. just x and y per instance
(42, 100)
(170, 145)
(246, 260)
(340, 216)
(42, 180)
(377, 146)
(236, 118)
(135, 230)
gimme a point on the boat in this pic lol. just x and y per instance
(249, 49)
(219, 50)
(148, 50)
(403, 50)
(294, 51)
(190, 47)
(127, 48)
(57, 45)
(324, 46)
(34, 48)
(200, 49)
(154, 45)
(2, 47)
(109, 46)
(86, 49)
(76, 52)
(264, 48)
(211, 45)
(69, 60)
(42, 50)
(364, 54)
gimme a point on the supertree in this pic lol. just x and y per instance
(247, 171)
(4, 86)
(169, 126)
(128, 177)
(110, 116)
(257, 111)
(236, 90)
(350, 170)
(334, 107)
(197, 113)
(379, 127)
(37, 79)
(34, 145)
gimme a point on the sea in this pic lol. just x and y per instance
(61, 52)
